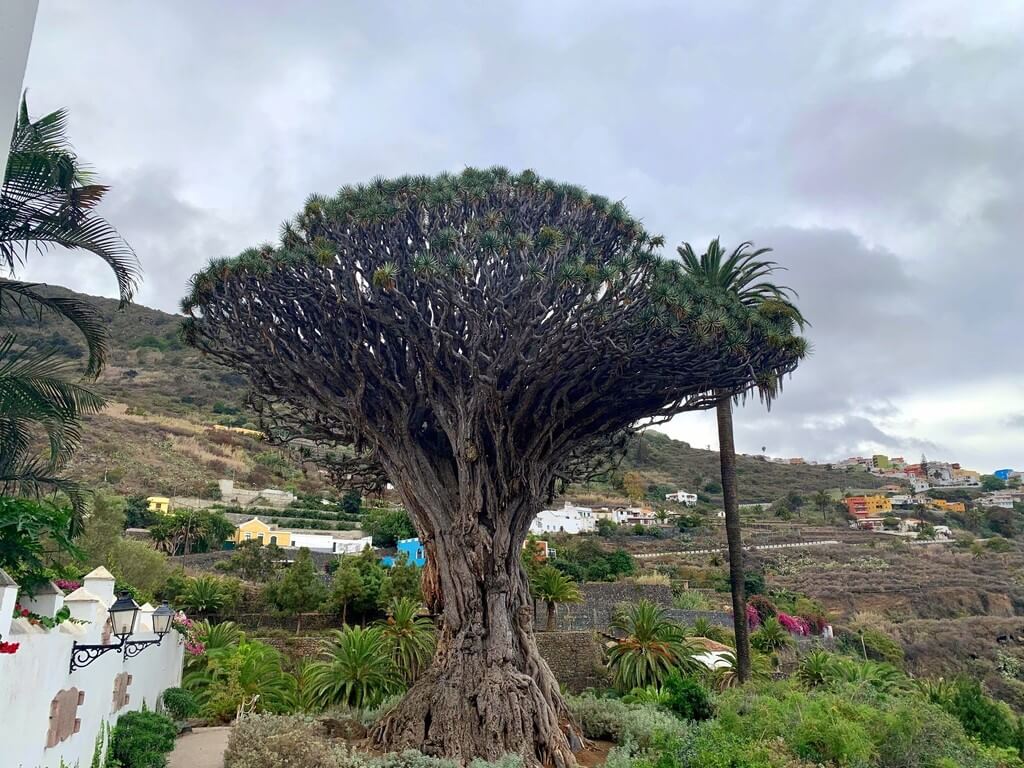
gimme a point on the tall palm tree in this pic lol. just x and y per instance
(410, 635)
(651, 648)
(554, 587)
(48, 200)
(743, 275)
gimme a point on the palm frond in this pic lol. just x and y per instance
(48, 200)
(25, 300)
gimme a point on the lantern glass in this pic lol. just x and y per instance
(123, 614)
(162, 617)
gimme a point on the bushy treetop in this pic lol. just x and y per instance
(481, 314)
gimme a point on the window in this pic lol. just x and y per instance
(248, 535)
(260, 537)
(273, 539)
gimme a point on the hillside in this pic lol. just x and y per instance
(164, 398)
(669, 465)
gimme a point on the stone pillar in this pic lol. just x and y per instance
(144, 624)
(86, 607)
(100, 583)
(8, 597)
(46, 600)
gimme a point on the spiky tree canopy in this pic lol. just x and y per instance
(485, 314)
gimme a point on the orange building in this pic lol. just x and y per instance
(868, 506)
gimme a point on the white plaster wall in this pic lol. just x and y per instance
(17, 19)
(312, 541)
(30, 678)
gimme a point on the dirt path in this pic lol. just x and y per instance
(203, 748)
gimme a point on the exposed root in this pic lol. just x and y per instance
(472, 712)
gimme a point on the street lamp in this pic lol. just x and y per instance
(123, 615)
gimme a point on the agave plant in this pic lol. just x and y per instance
(817, 668)
(652, 647)
(357, 670)
(937, 690)
(410, 636)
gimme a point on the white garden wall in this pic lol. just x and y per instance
(33, 676)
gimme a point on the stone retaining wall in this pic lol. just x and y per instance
(601, 600)
(576, 658)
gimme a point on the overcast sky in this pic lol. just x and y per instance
(878, 147)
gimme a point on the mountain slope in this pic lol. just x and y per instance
(157, 436)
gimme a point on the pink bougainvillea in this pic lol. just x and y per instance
(185, 627)
(794, 624)
(68, 585)
(753, 619)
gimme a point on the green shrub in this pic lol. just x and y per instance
(282, 741)
(143, 739)
(873, 642)
(289, 741)
(688, 699)
(989, 720)
(615, 720)
(179, 703)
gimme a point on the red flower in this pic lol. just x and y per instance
(25, 611)
(9, 647)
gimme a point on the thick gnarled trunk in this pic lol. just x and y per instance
(488, 692)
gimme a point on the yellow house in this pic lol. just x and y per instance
(948, 506)
(160, 504)
(257, 530)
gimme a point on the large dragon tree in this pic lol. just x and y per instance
(475, 338)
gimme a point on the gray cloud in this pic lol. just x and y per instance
(878, 151)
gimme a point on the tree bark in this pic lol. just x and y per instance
(487, 692)
(551, 617)
(727, 457)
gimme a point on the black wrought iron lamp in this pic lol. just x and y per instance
(123, 615)
(161, 626)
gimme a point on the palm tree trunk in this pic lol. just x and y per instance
(551, 617)
(727, 456)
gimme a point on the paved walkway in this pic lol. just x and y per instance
(203, 748)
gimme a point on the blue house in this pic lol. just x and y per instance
(1003, 474)
(413, 551)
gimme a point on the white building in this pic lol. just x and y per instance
(321, 541)
(1004, 500)
(635, 515)
(903, 500)
(617, 515)
(683, 497)
(568, 519)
